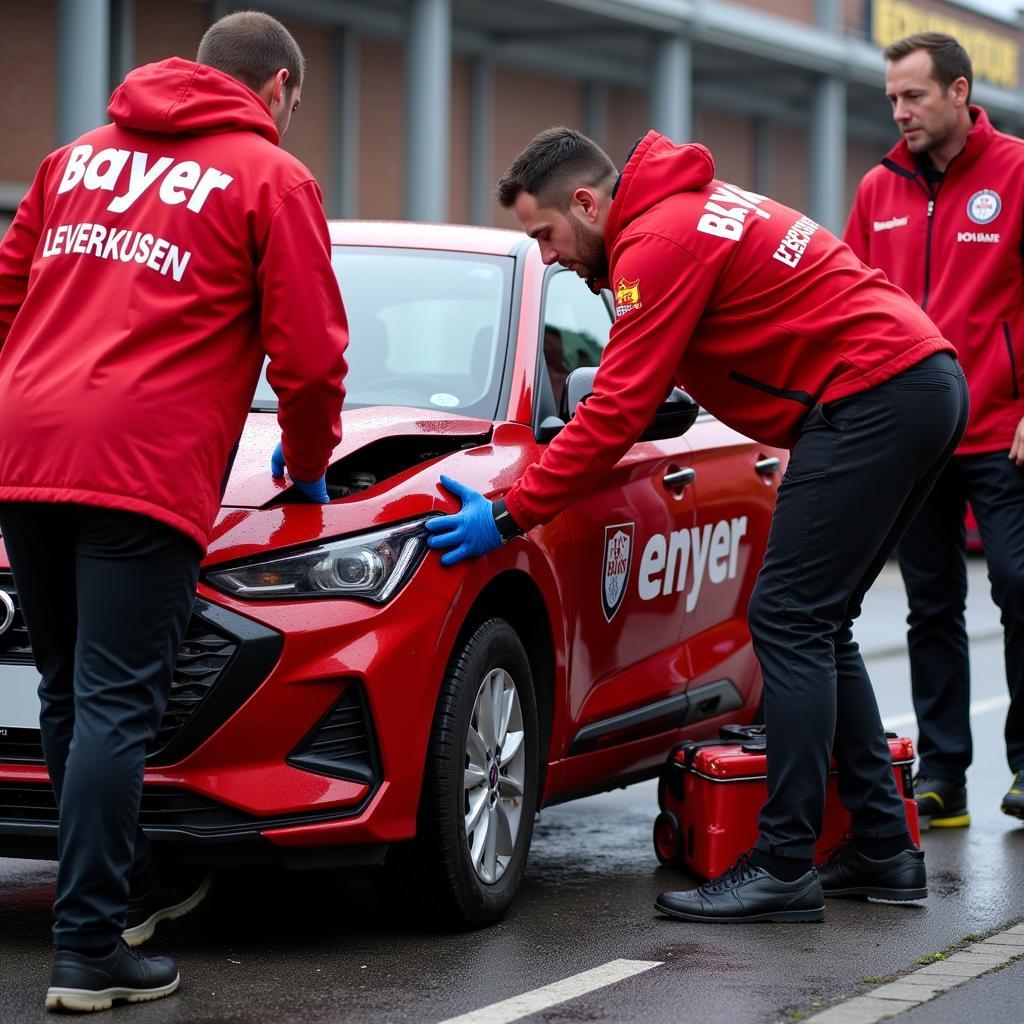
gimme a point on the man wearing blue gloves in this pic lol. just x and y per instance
(777, 329)
(109, 469)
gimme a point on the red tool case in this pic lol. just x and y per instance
(711, 793)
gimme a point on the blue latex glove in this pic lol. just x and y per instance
(315, 490)
(471, 532)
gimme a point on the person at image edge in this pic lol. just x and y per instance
(151, 267)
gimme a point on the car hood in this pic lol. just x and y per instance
(377, 443)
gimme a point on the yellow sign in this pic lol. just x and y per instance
(627, 292)
(627, 296)
(993, 57)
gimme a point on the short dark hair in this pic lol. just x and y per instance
(949, 59)
(553, 165)
(252, 47)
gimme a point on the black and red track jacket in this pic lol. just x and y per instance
(752, 307)
(955, 247)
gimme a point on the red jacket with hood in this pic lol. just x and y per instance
(753, 308)
(955, 248)
(151, 266)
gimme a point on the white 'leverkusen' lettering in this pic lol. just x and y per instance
(124, 246)
(792, 247)
(103, 171)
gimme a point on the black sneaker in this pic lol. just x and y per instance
(940, 804)
(180, 890)
(849, 873)
(82, 984)
(1013, 802)
(747, 893)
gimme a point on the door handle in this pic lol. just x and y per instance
(766, 466)
(679, 478)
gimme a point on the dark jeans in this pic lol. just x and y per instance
(106, 597)
(859, 473)
(935, 571)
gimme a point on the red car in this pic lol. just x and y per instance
(342, 698)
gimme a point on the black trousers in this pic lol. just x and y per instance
(106, 597)
(934, 567)
(858, 475)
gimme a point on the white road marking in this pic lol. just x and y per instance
(558, 992)
(979, 707)
(927, 982)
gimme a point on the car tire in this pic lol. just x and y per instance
(449, 875)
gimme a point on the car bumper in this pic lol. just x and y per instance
(296, 734)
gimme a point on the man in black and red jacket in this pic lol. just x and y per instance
(941, 216)
(774, 326)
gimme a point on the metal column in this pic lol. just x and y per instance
(764, 156)
(827, 151)
(828, 15)
(428, 109)
(595, 122)
(344, 188)
(481, 141)
(672, 89)
(83, 63)
(122, 40)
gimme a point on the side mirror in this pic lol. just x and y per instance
(673, 417)
(577, 388)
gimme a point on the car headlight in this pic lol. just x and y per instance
(371, 566)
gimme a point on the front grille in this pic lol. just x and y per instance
(223, 658)
(14, 645)
(342, 743)
(202, 657)
(160, 808)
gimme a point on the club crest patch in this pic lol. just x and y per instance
(627, 296)
(984, 206)
(618, 557)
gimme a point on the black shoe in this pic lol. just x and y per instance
(1013, 802)
(81, 984)
(940, 804)
(179, 891)
(849, 873)
(747, 893)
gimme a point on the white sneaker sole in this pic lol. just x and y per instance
(140, 933)
(82, 1000)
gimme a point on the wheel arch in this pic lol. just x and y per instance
(514, 597)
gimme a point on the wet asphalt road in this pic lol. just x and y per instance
(318, 947)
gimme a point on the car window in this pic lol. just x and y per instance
(576, 327)
(426, 329)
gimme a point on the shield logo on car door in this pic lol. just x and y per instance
(618, 557)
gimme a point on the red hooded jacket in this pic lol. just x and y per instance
(753, 308)
(955, 248)
(152, 264)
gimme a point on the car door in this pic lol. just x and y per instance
(625, 655)
(735, 486)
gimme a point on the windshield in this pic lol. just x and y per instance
(426, 329)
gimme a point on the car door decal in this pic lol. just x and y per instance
(618, 557)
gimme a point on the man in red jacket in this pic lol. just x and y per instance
(941, 215)
(775, 327)
(153, 264)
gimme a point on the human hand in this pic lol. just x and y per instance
(471, 531)
(1017, 448)
(315, 490)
